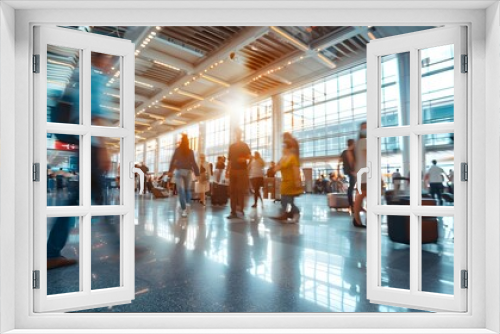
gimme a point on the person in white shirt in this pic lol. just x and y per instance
(256, 176)
(396, 176)
(435, 177)
(360, 158)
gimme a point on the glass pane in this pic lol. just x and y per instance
(105, 171)
(63, 170)
(63, 85)
(105, 252)
(438, 164)
(395, 251)
(395, 89)
(395, 170)
(105, 90)
(437, 84)
(437, 254)
(63, 254)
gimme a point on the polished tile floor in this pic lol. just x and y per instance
(206, 263)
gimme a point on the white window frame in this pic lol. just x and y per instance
(484, 239)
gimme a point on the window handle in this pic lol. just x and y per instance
(361, 171)
(139, 171)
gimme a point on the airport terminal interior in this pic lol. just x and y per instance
(207, 81)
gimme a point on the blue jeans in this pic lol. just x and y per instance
(183, 184)
(289, 199)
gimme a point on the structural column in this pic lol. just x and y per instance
(404, 104)
(277, 136)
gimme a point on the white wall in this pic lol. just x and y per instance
(493, 163)
(7, 158)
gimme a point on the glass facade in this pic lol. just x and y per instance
(257, 123)
(325, 113)
(167, 148)
(217, 138)
(139, 153)
(151, 155)
(322, 115)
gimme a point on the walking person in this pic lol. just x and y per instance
(360, 156)
(291, 184)
(184, 164)
(203, 184)
(239, 154)
(435, 177)
(349, 166)
(256, 175)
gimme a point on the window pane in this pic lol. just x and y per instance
(105, 252)
(105, 177)
(438, 168)
(63, 170)
(395, 92)
(395, 169)
(63, 85)
(437, 254)
(437, 84)
(63, 255)
(105, 90)
(395, 251)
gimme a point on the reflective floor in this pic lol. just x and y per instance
(206, 263)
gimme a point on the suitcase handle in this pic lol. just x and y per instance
(139, 171)
(361, 171)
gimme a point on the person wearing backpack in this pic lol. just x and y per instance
(349, 164)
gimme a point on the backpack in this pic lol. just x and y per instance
(345, 163)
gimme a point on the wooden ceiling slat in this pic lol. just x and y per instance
(258, 55)
(188, 40)
(345, 45)
(262, 45)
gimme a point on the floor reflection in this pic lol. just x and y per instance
(204, 263)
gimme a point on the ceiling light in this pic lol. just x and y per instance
(153, 33)
(166, 65)
(158, 28)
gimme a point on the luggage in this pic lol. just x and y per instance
(268, 189)
(159, 192)
(398, 227)
(219, 194)
(337, 201)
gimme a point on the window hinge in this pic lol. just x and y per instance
(464, 171)
(465, 64)
(36, 172)
(465, 279)
(36, 279)
(36, 63)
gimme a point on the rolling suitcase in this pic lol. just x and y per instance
(220, 194)
(159, 192)
(337, 201)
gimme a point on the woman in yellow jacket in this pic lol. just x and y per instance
(291, 184)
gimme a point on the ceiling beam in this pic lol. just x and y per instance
(174, 62)
(179, 45)
(154, 83)
(244, 38)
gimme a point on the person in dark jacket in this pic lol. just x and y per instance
(184, 164)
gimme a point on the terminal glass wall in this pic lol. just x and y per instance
(257, 123)
(167, 147)
(151, 155)
(139, 153)
(322, 115)
(217, 138)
